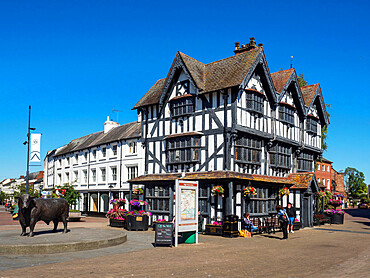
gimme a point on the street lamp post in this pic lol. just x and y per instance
(28, 148)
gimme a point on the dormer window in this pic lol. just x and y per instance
(182, 106)
(286, 114)
(311, 125)
(255, 101)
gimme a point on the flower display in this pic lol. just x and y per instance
(218, 190)
(284, 191)
(249, 190)
(161, 220)
(335, 203)
(117, 201)
(117, 214)
(322, 193)
(338, 196)
(138, 191)
(137, 203)
(334, 211)
(216, 223)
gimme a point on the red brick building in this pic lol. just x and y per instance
(323, 173)
(326, 175)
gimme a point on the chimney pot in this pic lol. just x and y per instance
(237, 45)
(260, 44)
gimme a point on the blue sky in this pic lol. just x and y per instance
(74, 61)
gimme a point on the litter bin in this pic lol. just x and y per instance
(230, 226)
(188, 237)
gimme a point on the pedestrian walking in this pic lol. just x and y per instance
(283, 219)
(290, 210)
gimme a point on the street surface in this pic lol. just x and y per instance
(326, 251)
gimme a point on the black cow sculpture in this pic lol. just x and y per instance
(32, 210)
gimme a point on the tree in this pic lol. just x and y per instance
(3, 196)
(71, 195)
(301, 81)
(20, 189)
(355, 182)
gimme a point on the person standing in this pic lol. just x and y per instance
(290, 210)
(283, 219)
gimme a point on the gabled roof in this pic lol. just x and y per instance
(304, 181)
(210, 77)
(126, 131)
(152, 96)
(311, 93)
(308, 93)
(280, 78)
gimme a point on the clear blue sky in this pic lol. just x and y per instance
(74, 61)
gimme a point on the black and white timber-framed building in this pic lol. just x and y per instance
(235, 124)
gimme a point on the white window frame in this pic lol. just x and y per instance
(131, 175)
(84, 176)
(114, 150)
(103, 177)
(114, 175)
(132, 147)
(93, 174)
(104, 153)
(75, 175)
(93, 154)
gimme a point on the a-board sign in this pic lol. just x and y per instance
(163, 233)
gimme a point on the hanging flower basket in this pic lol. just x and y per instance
(137, 203)
(138, 191)
(249, 191)
(218, 190)
(119, 202)
(284, 191)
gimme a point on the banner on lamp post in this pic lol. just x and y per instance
(35, 147)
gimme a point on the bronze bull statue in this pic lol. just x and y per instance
(32, 210)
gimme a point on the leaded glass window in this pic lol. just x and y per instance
(280, 156)
(305, 161)
(183, 150)
(311, 125)
(286, 114)
(255, 102)
(248, 150)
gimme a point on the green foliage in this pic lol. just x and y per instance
(365, 200)
(355, 182)
(20, 189)
(71, 194)
(3, 196)
(301, 81)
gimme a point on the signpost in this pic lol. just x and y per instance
(163, 233)
(186, 217)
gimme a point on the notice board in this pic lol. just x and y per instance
(163, 233)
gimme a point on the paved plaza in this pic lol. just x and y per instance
(326, 251)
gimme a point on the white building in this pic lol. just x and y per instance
(99, 164)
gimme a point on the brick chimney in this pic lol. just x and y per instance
(242, 48)
(108, 125)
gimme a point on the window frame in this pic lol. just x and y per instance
(184, 106)
(303, 159)
(311, 125)
(183, 150)
(286, 114)
(282, 155)
(250, 148)
(255, 102)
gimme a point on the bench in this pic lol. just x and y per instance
(273, 223)
(320, 219)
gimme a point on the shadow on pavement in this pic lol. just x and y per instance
(270, 236)
(364, 213)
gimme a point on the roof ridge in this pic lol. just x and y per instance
(291, 69)
(243, 53)
(181, 53)
(316, 84)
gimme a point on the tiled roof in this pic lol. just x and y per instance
(126, 131)
(152, 96)
(308, 93)
(210, 77)
(195, 68)
(280, 78)
(156, 177)
(324, 160)
(301, 180)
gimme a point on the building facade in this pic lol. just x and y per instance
(324, 172)
(98, 164)
(231, 123)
